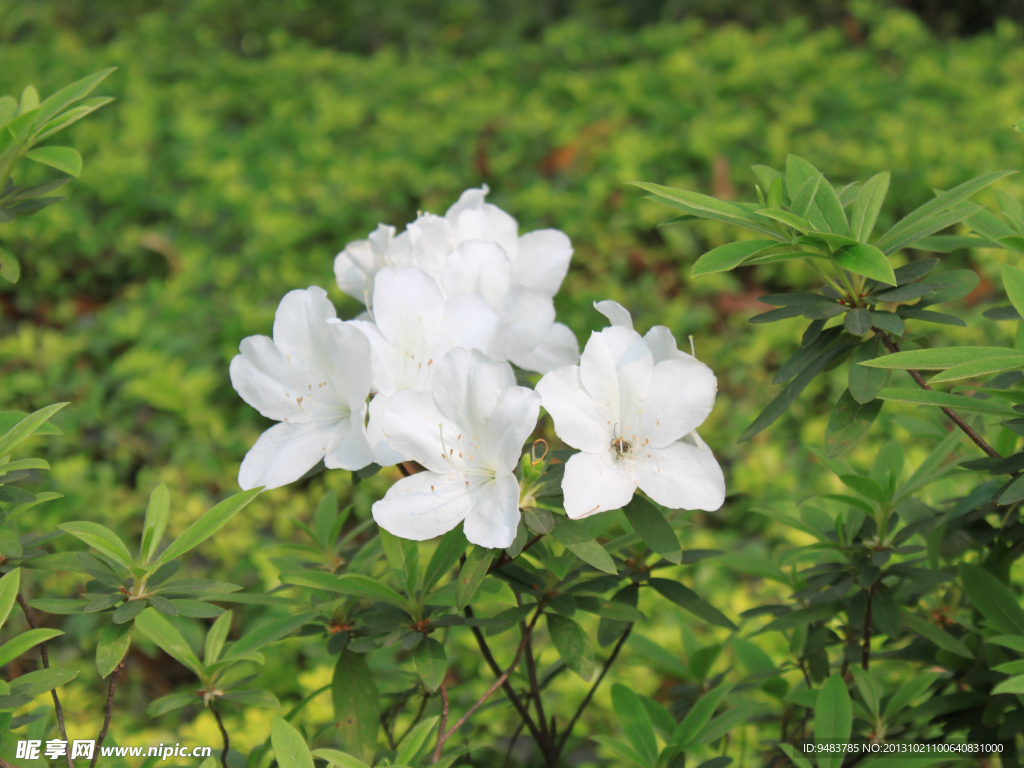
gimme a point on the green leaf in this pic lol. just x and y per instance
(10, 270)
(157, 513)
(340, 759)
(832, 209)
(166, 704)
(867, 205)
(908, 693)
(992, 599)
(159, 630)
(978, 368)
(449, 550)
(216, 636)
(636, 724)
(950, 286)
(101, 539)
(208, 524)
(833, 717)
(289, 747)
(621, 750)
(706, 207)
(1011, 685)
(63, 159)
(354, 584)
(870, 691)
(112, 647)
(252, 698)
(57, 606)
(938, 636)
(267, 633)
(938, 359)
(804, 197)
(867, 260)
(691, 601)
(125, 612)
(26, 427)
(9, 585)
(857, 321)
(913, 221)
(324, 519)
(414, 742)
(865, 383)
(885, 614)
(849, 422)
(653, 529)
(1013, 282)
(12, 649)
(356, 705)
(797, 618)
(729, 256)
(572, 644)
(789, 219)
(472, 575)
(576, 538)
(69, 94)
(785, 398)
(888, 321)
(865, 486)
(940, 318)
(431, 663)
(609, 609)
(41, 681)
(943, 399)
(700, 715)
(403, 555)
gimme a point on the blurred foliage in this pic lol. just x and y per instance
(226, 174)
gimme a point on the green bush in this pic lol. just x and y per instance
(218, 180)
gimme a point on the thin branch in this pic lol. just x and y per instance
(520, 708)
(442, 735)
(109, 712)
(531, 670)
(512, 742)
(893, 347)
(504, 559)
(441, 738)
(865, 658)
(223, 733)
(44, 656)
(593, 688)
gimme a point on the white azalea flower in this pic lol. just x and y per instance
(475, 248)
(468, 431)
(631, 407)
(313, 377)
(414, 327)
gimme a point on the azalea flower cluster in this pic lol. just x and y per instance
(425, 375)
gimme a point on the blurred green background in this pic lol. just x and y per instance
(250, 141)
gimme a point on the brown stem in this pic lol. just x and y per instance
(504, 559)
(517, 704)
(531, 669)
(44, 656)
(442, 735)
(441, 738)
(223, 734)
(593, 688)
(109, 712)
(5, 764)
(512, 742)
(865, 658)
(893, 347)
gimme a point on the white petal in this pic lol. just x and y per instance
(407, 307)
(617, 314)
(680, 397)
(467, 386)
(356, 265)
(469, 323)
(579, 421)
(283, 454)
(508, 426)
(494, 517)
(474, 219)
(382, 356)
(383, 453)
(430, 240)
(558, 348)
(662, 344)
(478, 268)
(423, 506)
(347, 361)
(681, 476)
(260, 376)
(616, 369)
(543, 260)
(595, 482)
(300, 321)
(412, 425)
(526, 318)
(353, 451)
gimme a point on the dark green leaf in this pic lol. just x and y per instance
(706, 207)
(926, 316)
(729, 256)
(849, 422)
(774, 315)
(857, 321)
(950, 286)
(112, 647)
(653, 529)
(635, 723)
(888, 321)
(992, 599)
(833, 718)
(907, 292)
(938, 636)
(689, 600)
(885, 614)
(610, 630)
(572, 644)
(356, 705)
(538, 520)
(575, 537)
(698, 717)
(125, 612)
(403, 557)
(449, 549)
(865, 383)
(472, 575)
(431, 663)
(942, 399)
